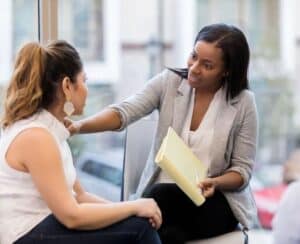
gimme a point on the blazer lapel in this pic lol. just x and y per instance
(223, 126)
(181, 105)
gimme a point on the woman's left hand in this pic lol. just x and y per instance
(208, 187)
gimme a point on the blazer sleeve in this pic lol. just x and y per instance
(143, 102)
(245, 142)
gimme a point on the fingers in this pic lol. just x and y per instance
(72, 126)
(157, 216)
(158, 211)
(148, 208)
(67, 122)
(155, 220)
(205, 183)
(208, 192)
(207, 187)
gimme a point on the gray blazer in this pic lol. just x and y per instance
(234, 142)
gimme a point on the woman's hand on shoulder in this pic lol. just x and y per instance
(72, 126)
(148, 208)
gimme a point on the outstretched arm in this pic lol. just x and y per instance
(106, 120)
(118, 116)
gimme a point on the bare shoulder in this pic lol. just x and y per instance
(31, 144)
(33, 138)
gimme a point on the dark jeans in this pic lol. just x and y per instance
(184, 221)
(133, 230)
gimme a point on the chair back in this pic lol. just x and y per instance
(138, 141)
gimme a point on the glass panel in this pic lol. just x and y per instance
(273, 88)
(255, 17)
(18, 25)
(81, 22)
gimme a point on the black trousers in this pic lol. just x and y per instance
(184, 221)
(133, 230)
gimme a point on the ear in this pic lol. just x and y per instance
(66, 87)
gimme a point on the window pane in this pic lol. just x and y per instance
(18, 25)
(81, 23)
(99, 157)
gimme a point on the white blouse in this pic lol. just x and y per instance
(21, 205)
(199, 140)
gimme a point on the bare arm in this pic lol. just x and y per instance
(118, 116)
(41, 158)
(228, 181)
(83, 196)
(106, 120)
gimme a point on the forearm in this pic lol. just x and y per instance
(106, 120)
(89, 216)
(229, 181)
(87, 197)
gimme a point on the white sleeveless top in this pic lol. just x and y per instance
(21, 205)
(199, 141)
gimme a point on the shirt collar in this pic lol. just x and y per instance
(54, 125)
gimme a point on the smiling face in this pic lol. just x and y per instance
(205, 66)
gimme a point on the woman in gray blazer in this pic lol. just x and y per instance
(209, 105)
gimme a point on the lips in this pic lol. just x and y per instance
(193, 78)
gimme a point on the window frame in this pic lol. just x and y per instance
(107, 71)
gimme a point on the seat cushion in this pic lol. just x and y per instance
(235, 237)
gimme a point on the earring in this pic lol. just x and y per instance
(69, 108)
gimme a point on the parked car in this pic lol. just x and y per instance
(102, 173)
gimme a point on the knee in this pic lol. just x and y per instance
(145, 232)
(140, 223)
(156, 190)
(173, 235)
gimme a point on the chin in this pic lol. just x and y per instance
(194, 84)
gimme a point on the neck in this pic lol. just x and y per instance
(206, 91)
(57, 112)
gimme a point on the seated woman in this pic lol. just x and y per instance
(41, 200)
(210, 106)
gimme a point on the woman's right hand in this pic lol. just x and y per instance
(148, 208)
(72, 126)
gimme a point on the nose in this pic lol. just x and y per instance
(194, 68)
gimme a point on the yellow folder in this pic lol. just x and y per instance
(181, 164)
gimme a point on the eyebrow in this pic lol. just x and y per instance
(205, 59)
(208, 61)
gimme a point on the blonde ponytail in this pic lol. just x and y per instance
(24, 93)
(36, 79)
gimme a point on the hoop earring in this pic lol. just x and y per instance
(69, 108)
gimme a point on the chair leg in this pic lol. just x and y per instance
(245, 236)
